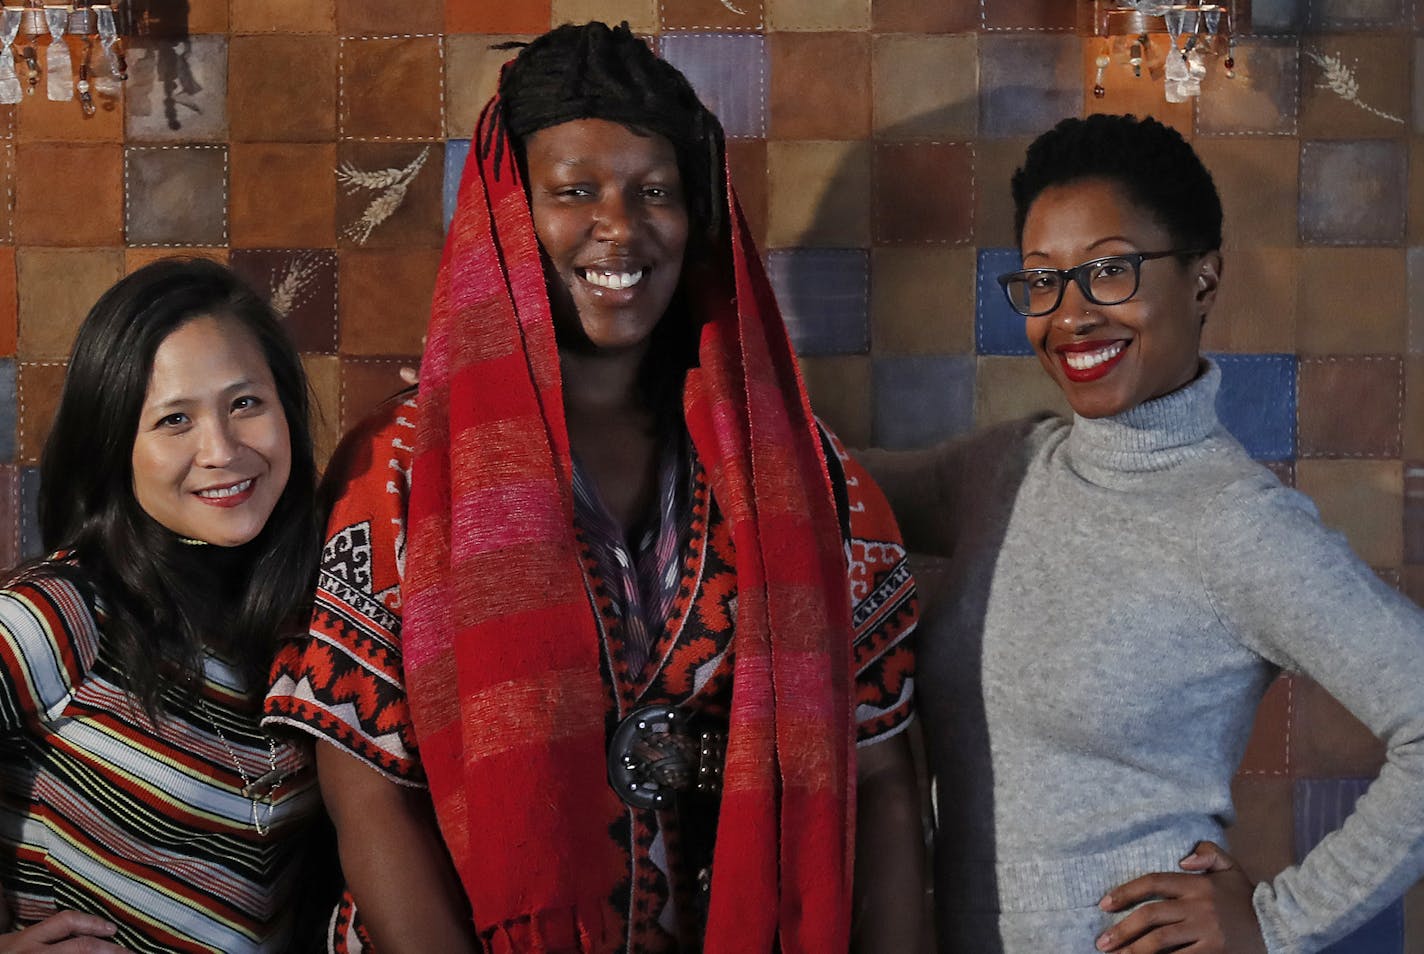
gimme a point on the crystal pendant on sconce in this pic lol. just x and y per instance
(10, 90)
(59, 66)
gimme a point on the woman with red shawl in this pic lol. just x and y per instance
(610, 630)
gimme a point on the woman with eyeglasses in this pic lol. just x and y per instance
(1127, 585)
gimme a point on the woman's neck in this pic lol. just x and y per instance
(598, 383)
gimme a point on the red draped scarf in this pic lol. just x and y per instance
(501, 649)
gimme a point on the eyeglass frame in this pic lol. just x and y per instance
(1078, 275)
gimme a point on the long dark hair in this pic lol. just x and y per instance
(166, 600)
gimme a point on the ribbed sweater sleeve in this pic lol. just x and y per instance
(1294, 592)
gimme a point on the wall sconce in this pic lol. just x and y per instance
(1173, 42)
(66, 35)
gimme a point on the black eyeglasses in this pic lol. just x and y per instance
(1035, 292)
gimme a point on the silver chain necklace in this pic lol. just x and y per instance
(264, 787)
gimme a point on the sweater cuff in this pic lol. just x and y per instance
(1278, 937)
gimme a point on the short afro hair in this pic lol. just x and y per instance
(1151, 161)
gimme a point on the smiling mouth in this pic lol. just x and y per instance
(1088, 364)
(610, 279)
(223, 493)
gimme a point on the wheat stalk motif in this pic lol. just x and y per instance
(294, 285)
(392, 185)
(1340, 80)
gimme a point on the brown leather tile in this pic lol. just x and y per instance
(1263, 96)
(1363, 499)
(177, 90)
(283, 16)
(839, 386)
(1257, 178)
(924, 193)
(366, 382)
(712, 14)
(1412, 582)
(57, 287)
(1414, 512)
(385, 299)
(175, 195)
(7, 192)
(922, 300)
(136, 258)
(301, 285)
(1414, 407)
(916, 16)
(1327, 741)
(1373, 73)
(1008, 388)
(69, 194)
(746, 159)
(283, 195)
(993, 202)
(815, 15)
(383, 18)
(641, 15)
(202, 16)
(1283, 469)
(1125, 92)
(1267, 751)
(1351, 300)
(392, 88)
(471, 75)
(268, 102)
(1255, 309)
(39, 386)
(820, 85)
(390, 194)
(1033, 15)
(1351, 406)
(324, 388)
(926, 87)
(9, 305)
(497, 16)
(1414, 897)
(818, 194)
(1263, 838)
(1416, 191)
(36, 119)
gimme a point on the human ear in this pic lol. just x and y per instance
(1208, 280)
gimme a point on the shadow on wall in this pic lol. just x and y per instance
(160, 60)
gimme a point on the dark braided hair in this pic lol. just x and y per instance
(1156, 166)
(594, 71)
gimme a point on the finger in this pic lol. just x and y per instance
(410, 375)
(1160, 884)
(1208, 856)
(67, 924)
(1171, 937)
(1139, 923)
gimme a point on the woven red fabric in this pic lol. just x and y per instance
(501, 645)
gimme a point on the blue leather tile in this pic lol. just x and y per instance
(1278, 16)
(30, 543)
(1028, 82)
(1415, 294)
(922, 399)
(1257, 402)
(1321, 805)
(1353, 192)
(7, 410)
(176, 195)
(729, 72)
(1263, 97)
(176, 90)
(998, 329)
(456, 152)
(824, 294)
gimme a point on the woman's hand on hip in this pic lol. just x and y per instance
(67, 932)
(1206, 912)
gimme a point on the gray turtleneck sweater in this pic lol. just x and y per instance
(1122, 590)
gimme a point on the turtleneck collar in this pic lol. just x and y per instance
(1154, 435)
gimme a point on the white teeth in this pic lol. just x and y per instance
(1083, 360)
(220, 492)
(614, 280)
